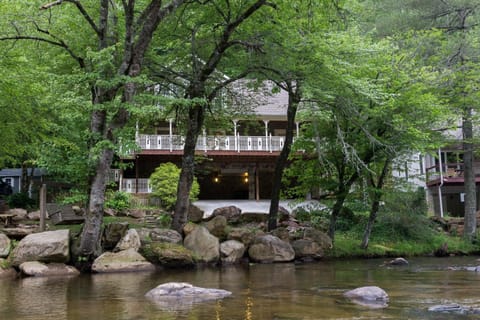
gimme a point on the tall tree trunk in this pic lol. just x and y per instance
(195, 123)
(293, 101)
(377, 196)
(470, 219)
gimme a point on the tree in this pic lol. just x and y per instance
(210, 49)
(110, 59)
(446, 33)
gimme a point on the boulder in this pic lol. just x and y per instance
(454, 308)
(306, 249)
(283, 214)
(166, 235)
(281, 233)
(180, 295)
(244, 235)
(168, 255)
(5, 245)
(371, 296)
(19, 232)
(204, 245)
(231, 213)
(112, 233)
(5, 270)
(195, 214)
(110, 212)
(396, 262)
(268, 248)
(256, 217)
(20, 214)
(38, 269)
(48, 246)
(123, 261)
(131, 240)
(34, 215)
(231, 251)
(136, 213)
(319, 237)
(217, 226)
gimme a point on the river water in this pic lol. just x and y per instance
(260, 291)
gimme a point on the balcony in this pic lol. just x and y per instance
(213, 143)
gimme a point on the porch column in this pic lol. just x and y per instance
(137, 134)
(257, 183)
(297, 124)
(205, 139)
(170, 129)
(235, 121)
(266, 134)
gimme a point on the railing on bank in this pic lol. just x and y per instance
(213, 143)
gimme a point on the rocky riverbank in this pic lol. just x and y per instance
(227, 236)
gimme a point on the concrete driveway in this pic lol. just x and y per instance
(260, 206)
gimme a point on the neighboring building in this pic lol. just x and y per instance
(234, 163)
(13, 177)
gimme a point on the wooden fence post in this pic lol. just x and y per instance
(43, 206)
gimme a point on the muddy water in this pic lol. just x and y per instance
(274, 291)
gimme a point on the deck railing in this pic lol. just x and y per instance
(213, 143)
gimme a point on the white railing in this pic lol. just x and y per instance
(212, 143)
(130, 186)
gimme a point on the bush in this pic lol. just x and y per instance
(164, 182)
(20, 200)
(118, 200)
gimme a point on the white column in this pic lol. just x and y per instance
(266, 134)
(235, 133)
(205, 140)
(170, 128)
(297, 124)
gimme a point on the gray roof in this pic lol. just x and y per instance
(17, 172)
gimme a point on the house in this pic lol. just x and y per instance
(13, 177)
(236, 161)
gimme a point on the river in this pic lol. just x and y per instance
(260, 292)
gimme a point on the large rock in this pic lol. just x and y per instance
(217, 226)
(20, 214)
(168, 255)
(131, 240)
(244, 235)
(5, 245)
(231, 213)
(38, 269)
(123, 261)
(454, 308)
(257, 217)
(306, 249)
(319, 237)
(204, 245)
(6, 271)
(231, 251)
(371, 296)
(166, 235)
(112, 233)
(180, 295)
(268, 248)
(195, 214)
(49, 246)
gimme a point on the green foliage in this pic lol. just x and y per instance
(164, 182)
(73, 196)
(21, 200)
(118, 200)
(403, 217)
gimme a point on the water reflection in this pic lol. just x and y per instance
(278, 291)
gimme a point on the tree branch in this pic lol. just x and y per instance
(58, 43)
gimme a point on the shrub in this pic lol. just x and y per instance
(21, 200)
(164, 182)
(118, 200)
